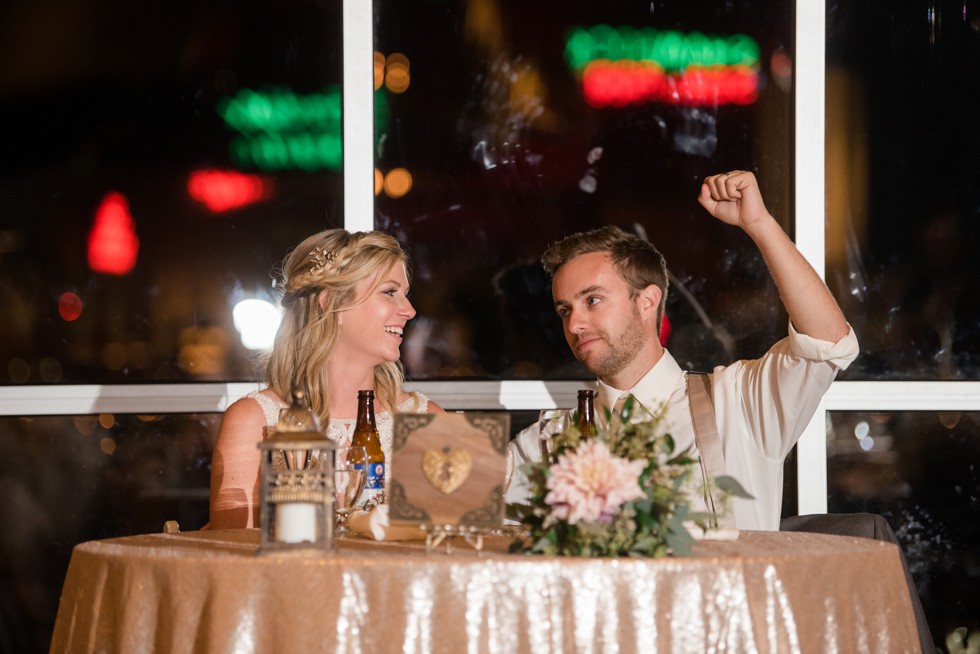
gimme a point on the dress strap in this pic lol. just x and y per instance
(712, 457)
(416, 403)
(270, 407)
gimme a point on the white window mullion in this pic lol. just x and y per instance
(518, 395)
(809, 209)
(89, 399)
(358, 115)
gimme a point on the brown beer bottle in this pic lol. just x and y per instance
(586, 413)
(366, 435)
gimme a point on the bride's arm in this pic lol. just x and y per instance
(235, 467)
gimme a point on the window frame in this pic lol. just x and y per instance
(358, 125)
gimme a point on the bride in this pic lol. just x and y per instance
(345, 304)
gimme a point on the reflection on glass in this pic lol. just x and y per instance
(155, 171)
(69, 479)
(921, 472)
(524, 122)
(902, 196)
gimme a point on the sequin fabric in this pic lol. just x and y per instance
(766, 592)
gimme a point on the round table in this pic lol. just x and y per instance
(208, 592)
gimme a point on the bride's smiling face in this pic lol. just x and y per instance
(371, 328)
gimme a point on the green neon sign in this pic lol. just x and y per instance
(271, 152)
(279, 129)
(279, 110)
(673, 50)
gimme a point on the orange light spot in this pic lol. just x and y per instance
(398, 182)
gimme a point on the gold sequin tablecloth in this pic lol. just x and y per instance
(208, 592)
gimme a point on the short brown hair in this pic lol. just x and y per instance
(636, 260)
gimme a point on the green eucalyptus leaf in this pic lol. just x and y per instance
(654, 525)
(729, 484)
(679, 543)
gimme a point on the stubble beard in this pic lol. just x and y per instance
(621, 352)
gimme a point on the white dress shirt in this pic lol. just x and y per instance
(761, 408)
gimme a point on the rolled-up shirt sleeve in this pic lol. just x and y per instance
(840, 354)
(772, 399)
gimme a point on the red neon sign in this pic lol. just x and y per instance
(633, 65)
(620, 83)
(112, 243)
(221, 190)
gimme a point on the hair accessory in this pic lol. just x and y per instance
(322, 258)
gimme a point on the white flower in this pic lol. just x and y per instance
(590, 484)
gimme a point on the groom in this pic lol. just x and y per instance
(610, 287)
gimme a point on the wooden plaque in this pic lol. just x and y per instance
(449, 469)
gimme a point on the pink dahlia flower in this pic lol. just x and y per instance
(590, 484)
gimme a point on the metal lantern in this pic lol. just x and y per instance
(296, 513)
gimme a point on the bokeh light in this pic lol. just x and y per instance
(624, 66)
(85, 424)
(781, 67)
(203, 351)
(279, 129)
(397, 75)
(398, 182)
(257, 321)
(112, 243)
(224, 190)
(69, 306)
(379, 70)
(107, 445)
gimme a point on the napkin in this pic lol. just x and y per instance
(374, 524)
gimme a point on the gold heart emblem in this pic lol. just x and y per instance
(447, 469)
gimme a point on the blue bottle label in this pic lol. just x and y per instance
(375, 479)
(375, 476)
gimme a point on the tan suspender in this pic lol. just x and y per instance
(707, 439)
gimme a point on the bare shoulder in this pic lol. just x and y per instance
(243, 419)
(243, 408)
(434, 408)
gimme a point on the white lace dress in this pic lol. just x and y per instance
(340, 430)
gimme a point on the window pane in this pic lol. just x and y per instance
(487, 112)
(902, 193)
(68, 479)
(158, 159)
(919, 470)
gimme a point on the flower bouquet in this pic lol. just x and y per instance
(622, 492)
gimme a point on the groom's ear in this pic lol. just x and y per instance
(648, 300)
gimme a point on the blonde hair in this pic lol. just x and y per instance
(330, 265)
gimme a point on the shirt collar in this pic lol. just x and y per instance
(653, 389)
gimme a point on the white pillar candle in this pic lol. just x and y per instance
(295, 522)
